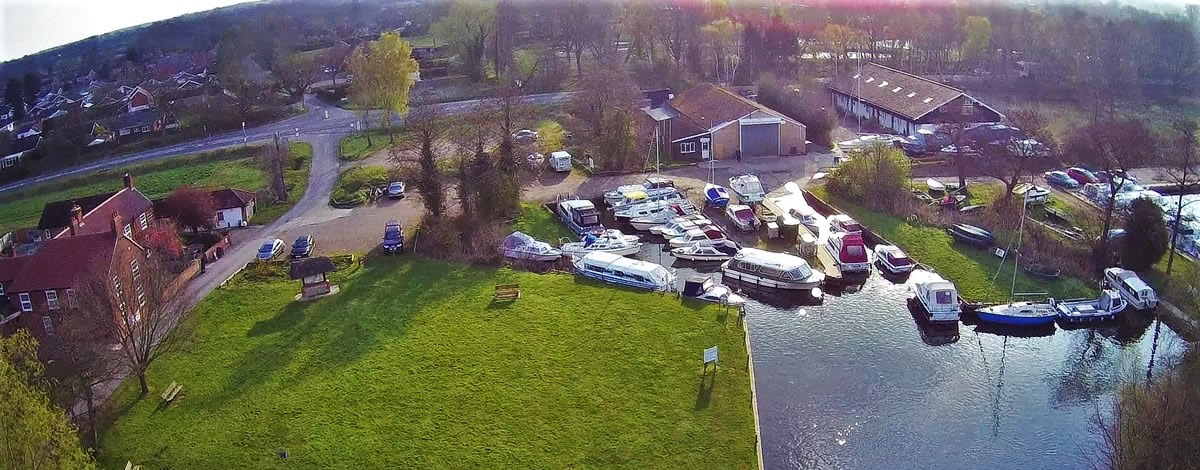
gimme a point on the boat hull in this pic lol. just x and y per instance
(516, 255)
(807, 284)
(623, 281)
(691, 257)
(623, 251)
(1002, 319)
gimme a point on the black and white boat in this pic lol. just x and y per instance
(773, 270)
(719, 250)
(703, 288)
(579, 215)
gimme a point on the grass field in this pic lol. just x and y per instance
(297, 183)
(413, 366)
(971, 270)
(538, 222)
(354, 146)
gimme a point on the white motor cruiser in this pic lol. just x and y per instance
(610, 241)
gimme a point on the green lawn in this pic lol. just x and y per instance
(354, 146)
(971, 270)
(413, 366)
(297, 183)
(23, 209)
(538, 222)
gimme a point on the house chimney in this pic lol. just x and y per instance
(128, 181)
(76, 218)
(118, 225)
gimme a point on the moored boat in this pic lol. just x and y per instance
(615, 196)
(719, 250)
(748, 188)
(705, 234)
(610, 241)
(770, 269)
(715, 195)
(742, 217)
(937, 296)
(579, 215)
(659, 217)
(679, 226)
(646, 196)
(616, 269)
(893, 259)
(1018, 313)
(1107, 307)
(520, 246)
(703, 288)
(848, 251)
(678, 206)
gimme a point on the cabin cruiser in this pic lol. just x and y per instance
(748, 188)
(615, 196)
(893, 259)
(1104, 308)
(703, 288)
(1031, 193)
(520, 246)
(646, 196)
(742, 216)
(843, 223)
(705, 234)
(936, 295)
(679, 226)
(579, 215)
(660, 214)
(848, 251)
(770, 269)
(1019, 313)
(617, 269)
(718, 250)
(1132, 288)
(715, 195)
(609, 241)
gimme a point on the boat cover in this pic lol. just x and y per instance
(516, 240)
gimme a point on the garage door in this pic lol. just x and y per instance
(760, 140)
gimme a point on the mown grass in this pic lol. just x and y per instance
(413, 366)
(355, 146)
(538, 222)
(971, 270)
(296, 180)
(24, 209)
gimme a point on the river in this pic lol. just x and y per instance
(857, 382)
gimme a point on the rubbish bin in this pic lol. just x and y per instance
(790, 230)
(808, 245)
(772, 230)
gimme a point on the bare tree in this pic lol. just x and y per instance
(605, 105)
(1011, 159)
(138, 309)
(79, 362)
(297, 73)
(273, 159)
(1116, 147)
(427, 130)
(1180, 167)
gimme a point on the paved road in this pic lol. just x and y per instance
(310, 124)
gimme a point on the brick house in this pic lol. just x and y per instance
(707, 121)
(90, 214)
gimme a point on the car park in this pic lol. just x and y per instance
(1060, 178)
(303, 247)
(270, 249)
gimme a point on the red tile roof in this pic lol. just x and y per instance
(230, 198)
(10, 266)
(130, 203)
(706, 106)
(58, 262)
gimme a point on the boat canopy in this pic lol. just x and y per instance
(516, 240)
(743, 213)
(781, 265)
(697, 286)
(604, 262)
(851, 248)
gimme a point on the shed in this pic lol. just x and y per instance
(311, 272)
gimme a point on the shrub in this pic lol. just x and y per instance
(1146, 238)
(876, 176)
(353, 184)
(818, 120)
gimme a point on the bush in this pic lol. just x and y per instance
(353, 184)
(876, 176)
(1146, 238)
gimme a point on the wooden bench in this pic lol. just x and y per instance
(171, 392)
(507, 292)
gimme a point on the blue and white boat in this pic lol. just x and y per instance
(716, 195)
(1019, 313)
(616, 269)
(1104, 308)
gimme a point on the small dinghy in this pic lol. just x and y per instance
(520, 246)
(1104, 308)
(610, 241)
(715, 195)
(719, 250)
(1042, 272)
(703, 288)
(935, 185)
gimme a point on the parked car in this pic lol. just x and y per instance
(270, 249)
(1082, 176)
(303, 247)
(1105, 177)
(1060, 178)
(395, 190)
(393, 237)
(525, 135)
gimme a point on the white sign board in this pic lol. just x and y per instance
(710, 355)
(999, 252)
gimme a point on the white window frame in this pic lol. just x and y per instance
(129, 230)
(48, 325)
(943, 109)
(133, 268)
(52, 300)
(144, 220)
(71, 299)
(687, 147)
(141, 298)
(26, 303)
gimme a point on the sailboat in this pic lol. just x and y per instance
(1018, 313)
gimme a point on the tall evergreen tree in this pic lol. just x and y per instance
(1145, 239)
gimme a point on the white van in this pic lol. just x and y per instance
(1132, 288)
(560, 161)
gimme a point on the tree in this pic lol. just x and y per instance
(1180, 168)
(604, 104)
(244, 95)
(297, 73)
(191, 207)
(1012, 159)
(1145, 240)
(725, 40)
(36, 433)
(139, 312)
(466, 29)
(79, 363)
(383, 76)
(1115, 147)
(335, 58)
(32, 84)
(979, 38)
(273, 159)
(12, 97)
(426, 129)
(163, 241)
(838, 40)
(876, 176)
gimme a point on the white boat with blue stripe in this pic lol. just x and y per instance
(616, 269)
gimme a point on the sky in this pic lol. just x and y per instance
(29, 26)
